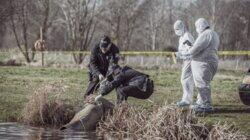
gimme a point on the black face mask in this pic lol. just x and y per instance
(104, 45)
(105, 42)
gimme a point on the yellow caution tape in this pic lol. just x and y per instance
(135, 53)
(146, 53)
(234, 53)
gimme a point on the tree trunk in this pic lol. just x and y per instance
(78, 57)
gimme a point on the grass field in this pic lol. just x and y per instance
(17, 83)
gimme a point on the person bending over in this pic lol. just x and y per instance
(128, 83)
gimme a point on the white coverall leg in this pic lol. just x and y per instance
(203, 75)
(186, 75)
(187, 82)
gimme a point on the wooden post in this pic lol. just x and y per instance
(41, 37)
(237, 64)
(42, 58)
(142, 61)
(174, 58)
(41, 33)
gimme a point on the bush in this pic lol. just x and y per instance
(45, 108)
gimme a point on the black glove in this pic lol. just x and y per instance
(188, 43)
(105, 87)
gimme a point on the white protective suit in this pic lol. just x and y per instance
(186, 76)
(204, 62)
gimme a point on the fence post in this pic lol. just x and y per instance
(41, 37)
(127, 58)
(142, 61)
(237, 64)
(157, 60)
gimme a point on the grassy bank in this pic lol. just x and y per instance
(17, 83)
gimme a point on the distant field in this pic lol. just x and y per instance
(17, 83)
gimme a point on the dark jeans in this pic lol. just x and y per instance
(123, 92)
(93, 81)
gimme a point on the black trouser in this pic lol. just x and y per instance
(123, 92)
(93, 81)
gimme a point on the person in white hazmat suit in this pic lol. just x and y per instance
(186, 76)
(204, 63)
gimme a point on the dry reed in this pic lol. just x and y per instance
(45, 108)
(167, 122)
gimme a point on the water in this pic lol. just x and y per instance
(15, 131)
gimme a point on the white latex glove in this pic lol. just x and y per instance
(98, 97)
(178, 54)
(101, 77)
(187, 47)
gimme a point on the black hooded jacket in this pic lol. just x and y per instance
(128, 76)
(99, 62)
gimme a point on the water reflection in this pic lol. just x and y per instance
(14, 131)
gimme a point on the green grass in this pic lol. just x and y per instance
(17, 83)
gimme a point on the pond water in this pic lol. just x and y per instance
(15, 131)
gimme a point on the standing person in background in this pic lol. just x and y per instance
(185, 41)
(104, 54)
(204, 63)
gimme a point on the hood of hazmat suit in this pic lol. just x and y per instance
(179, 28)
(201, 24)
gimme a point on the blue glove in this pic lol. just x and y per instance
(105, 87)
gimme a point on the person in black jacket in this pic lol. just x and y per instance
(128, 83)
(102, 55)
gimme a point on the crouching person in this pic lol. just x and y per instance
(128, 83)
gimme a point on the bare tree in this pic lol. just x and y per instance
(5, 13)
(112, 18)
(132, 24)
(156, 18)
(79, 17)
(45, 17)
(122, 19)
(19, 20)
(224, 17)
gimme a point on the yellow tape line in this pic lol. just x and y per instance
(147, 53)
(234, 52)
